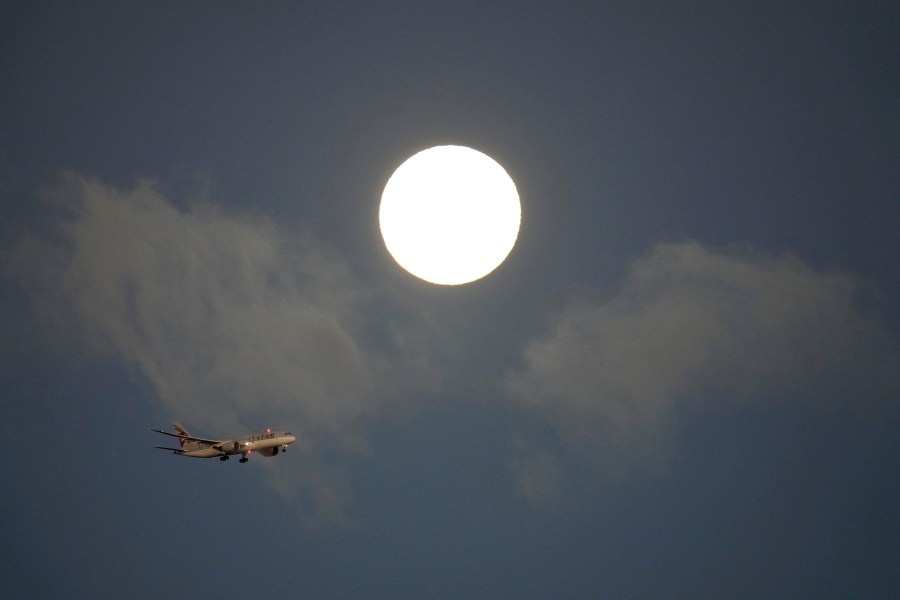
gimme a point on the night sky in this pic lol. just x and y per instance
(684, 381)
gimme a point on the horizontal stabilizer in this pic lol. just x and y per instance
(175, 450)
(188, 437)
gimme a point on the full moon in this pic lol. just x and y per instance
(450, 215)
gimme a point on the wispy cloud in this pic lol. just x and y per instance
(229, 317)
(689, 319)
(223, 313)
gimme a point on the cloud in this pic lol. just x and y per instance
(229, 317)
(688, 320)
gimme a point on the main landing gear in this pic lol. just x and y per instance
(224, 457)
(244, 459)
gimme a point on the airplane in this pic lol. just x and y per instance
(267, 443)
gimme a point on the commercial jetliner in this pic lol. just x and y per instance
(266, 443)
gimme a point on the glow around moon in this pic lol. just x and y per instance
(450, 215)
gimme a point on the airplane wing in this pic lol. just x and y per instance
(189, 438)
(175, 450)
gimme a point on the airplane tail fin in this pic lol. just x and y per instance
(181, 431)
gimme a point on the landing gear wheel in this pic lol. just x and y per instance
(244, 459)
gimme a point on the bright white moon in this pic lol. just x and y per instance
(450, 215)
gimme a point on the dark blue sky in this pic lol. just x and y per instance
(683, 382)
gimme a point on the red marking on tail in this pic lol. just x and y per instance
(182, 433)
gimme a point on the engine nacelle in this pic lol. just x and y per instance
(231, 447)
(269, 451)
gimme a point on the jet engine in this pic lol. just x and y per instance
(269, 451)
(231, 447)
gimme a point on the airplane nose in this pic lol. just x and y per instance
(291, 439)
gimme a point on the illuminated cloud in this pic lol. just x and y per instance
(231, 319)
(689, 321)
(220, 312)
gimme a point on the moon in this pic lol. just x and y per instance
(450, 215)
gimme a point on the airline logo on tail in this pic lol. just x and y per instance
(182, 433)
